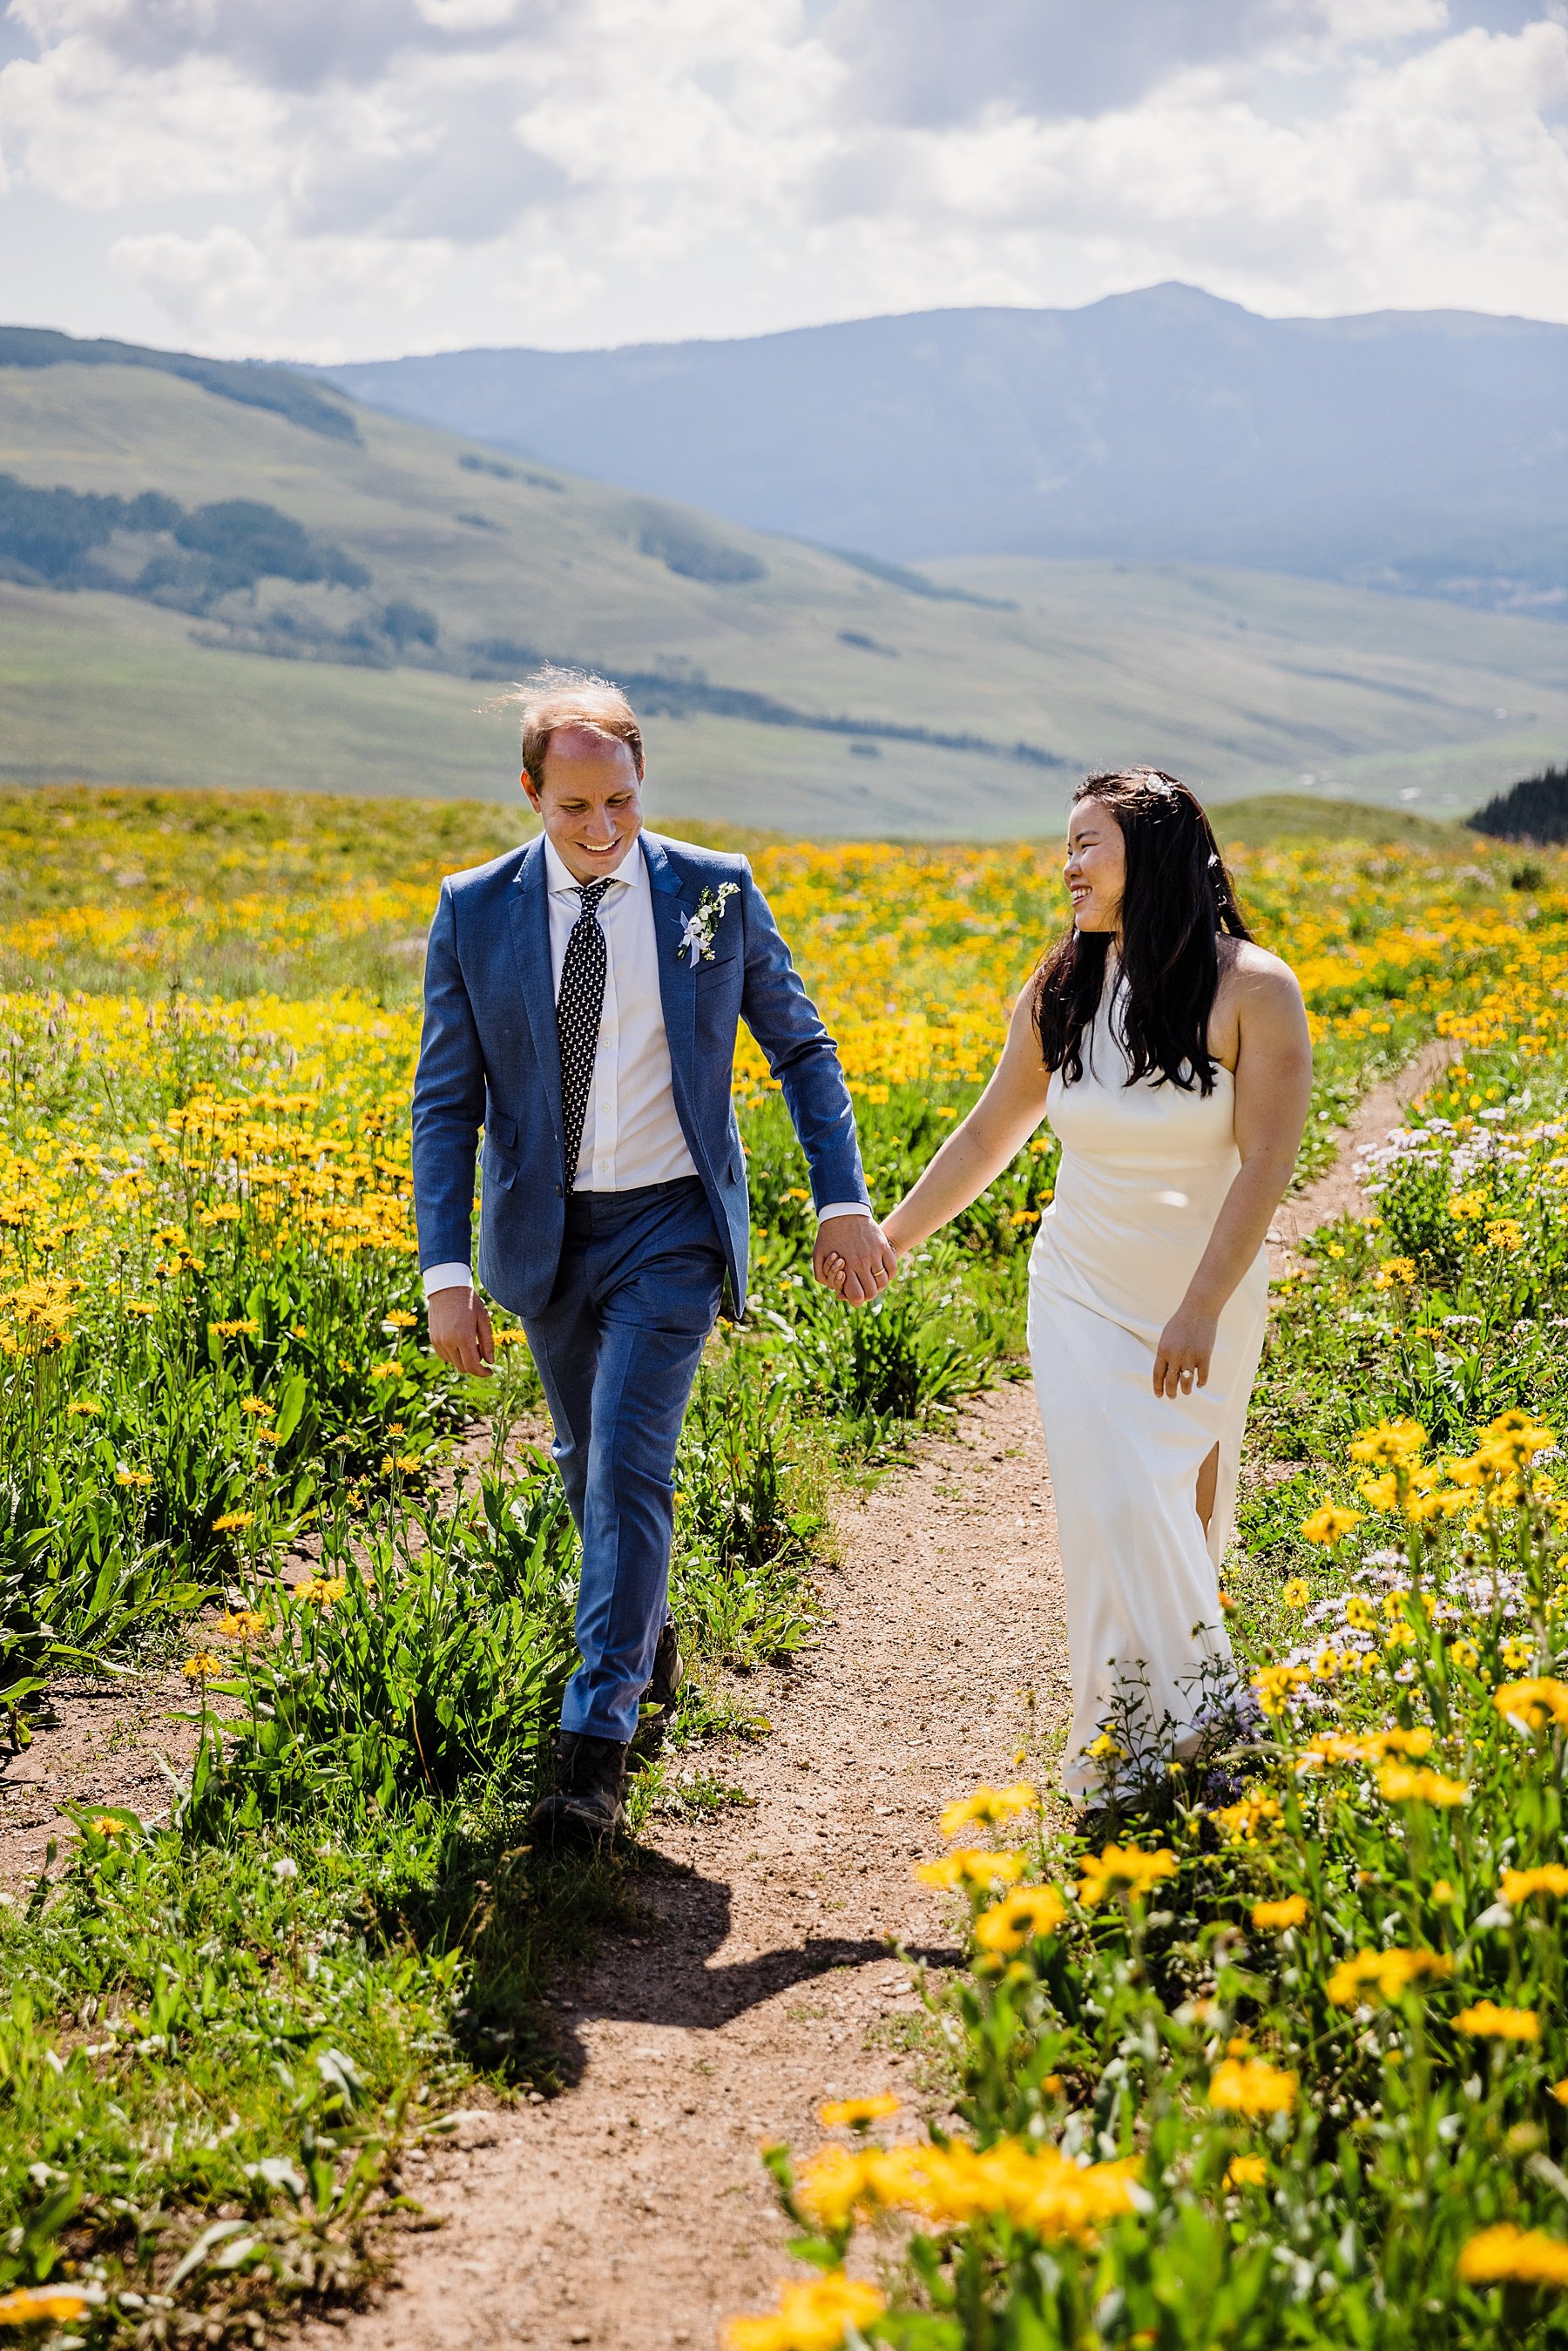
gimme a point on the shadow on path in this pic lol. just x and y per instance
(673, 1978)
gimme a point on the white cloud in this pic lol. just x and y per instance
(285, 177)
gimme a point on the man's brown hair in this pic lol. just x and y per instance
(556, 698)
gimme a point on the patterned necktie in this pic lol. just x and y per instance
(576, 1015)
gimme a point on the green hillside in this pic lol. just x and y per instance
(782, 686)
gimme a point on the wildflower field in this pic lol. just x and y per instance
(1265, 2066)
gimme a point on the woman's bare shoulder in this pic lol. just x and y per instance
(1250, 970)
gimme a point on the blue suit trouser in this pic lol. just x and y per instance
(637, 1294)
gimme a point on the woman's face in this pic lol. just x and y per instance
(1096, 867)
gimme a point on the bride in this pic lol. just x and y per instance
(1172, 1058)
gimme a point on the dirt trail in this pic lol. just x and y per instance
(1336, 1192)
(633, 2211)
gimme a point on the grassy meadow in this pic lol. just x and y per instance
(1226, 677)
(227, 1453)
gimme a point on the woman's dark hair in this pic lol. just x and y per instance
(1177, 899)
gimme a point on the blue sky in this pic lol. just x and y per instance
(354, 178)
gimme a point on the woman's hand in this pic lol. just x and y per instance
(1182, 1357)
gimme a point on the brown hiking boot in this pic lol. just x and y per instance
(584, 1806)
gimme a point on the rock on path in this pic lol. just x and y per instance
(631, 2211)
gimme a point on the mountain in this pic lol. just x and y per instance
(1424, 452)
(197, 586)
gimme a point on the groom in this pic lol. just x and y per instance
(581, 996)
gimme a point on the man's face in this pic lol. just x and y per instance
(590, 801)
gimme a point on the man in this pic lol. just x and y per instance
(581, 998)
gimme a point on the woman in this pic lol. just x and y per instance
(1172, 1057)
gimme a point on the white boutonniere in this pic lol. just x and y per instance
(697, 939)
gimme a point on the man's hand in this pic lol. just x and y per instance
(854, 1258)
(460, 1331)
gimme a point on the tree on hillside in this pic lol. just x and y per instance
(1535, 810)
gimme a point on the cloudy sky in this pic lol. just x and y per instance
(357, 178)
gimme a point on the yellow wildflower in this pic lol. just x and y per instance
(1273, 1685)
(1036, 2188)
(1531, 1704)
(1250, 2085)
(321, 1591)
(1507, 2255)
(1400, 1784)
(987, 1808)
(1519, 1886)
(242, 1625)
(1274, 1917)
(203, 1667)
(1297, 1591)
(1492, 2023)
(1247, 2171)
(972, 1867)
(810, 2317)
(1123, 1867)
(31, 2305)
(1330, 1525)
(858, 2114)
(1518, 1434)
(1395, 1443)
(1019, 1918)
(233, 1522)
(1387, 1974)
(1240, 1821)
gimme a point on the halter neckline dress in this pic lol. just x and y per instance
(1145, 1169)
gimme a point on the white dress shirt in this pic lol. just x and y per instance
(631, 1132)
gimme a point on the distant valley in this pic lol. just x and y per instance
(1420, 453)
(213, 573)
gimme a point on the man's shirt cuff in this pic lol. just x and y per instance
(447, 1277)
(842, 1208)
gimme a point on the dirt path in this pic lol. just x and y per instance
(633, 2211)
(1337, 1192)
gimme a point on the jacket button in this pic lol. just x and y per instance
(560, 1191)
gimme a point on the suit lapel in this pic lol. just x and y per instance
(676, 995)
(530, 945)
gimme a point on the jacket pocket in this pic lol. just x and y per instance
(499, 1169)
(723, 967)
(499, 1128)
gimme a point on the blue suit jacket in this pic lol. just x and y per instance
(489, 1056)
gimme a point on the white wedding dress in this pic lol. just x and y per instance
(1143, 1171)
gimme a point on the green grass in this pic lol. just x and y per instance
(1238, 681)
(1295, 821)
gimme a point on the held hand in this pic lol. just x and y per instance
(1182, 1357)
(854, 1258)
(460, 1331)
